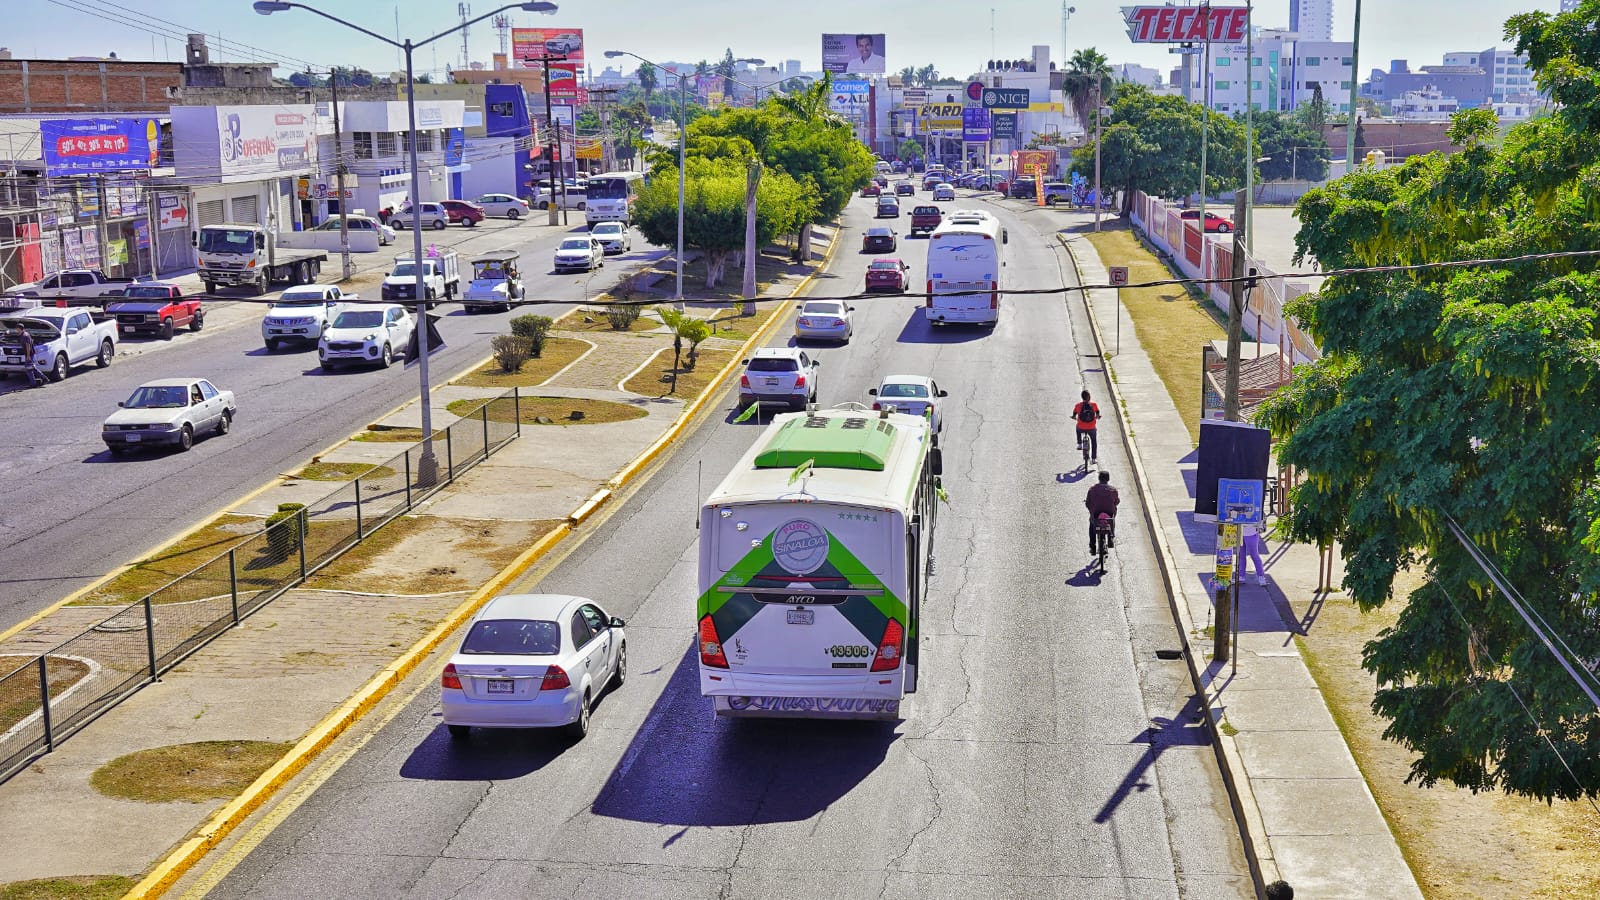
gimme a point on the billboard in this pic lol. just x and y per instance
(853, 54)
(265, 140)
(529, 45)
(1005, 98)
(564, 80)
(941, 116)
(82, 146)
(1003, 126)
(974, 124)
(1181, 24)
(849, 95)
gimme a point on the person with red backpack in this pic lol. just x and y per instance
(1086, 414)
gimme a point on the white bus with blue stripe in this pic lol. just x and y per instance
(966, 269)
(815, 553)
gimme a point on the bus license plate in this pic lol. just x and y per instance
(500, 686)
(802, 617)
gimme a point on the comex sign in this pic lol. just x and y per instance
(1182, 24)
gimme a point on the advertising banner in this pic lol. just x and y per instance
(530, 45)
(141, 235)
(266, 140)
(853, 54)
(564, 80)
(911, 98)
(455, 146)
(1181, 24)
(849, 94)
(1005, 98)
(941, 117)
(172, 211)
(1035, 162)
(974, 125)
(83, 146)
(1003, 126)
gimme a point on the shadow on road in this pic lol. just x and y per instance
(918, 330)
(489, 754)
(1186, 729)
(687, 768)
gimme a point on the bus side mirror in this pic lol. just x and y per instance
(936, 461)
(261, 241)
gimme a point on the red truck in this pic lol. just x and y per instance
(926, 219)
(156, 307)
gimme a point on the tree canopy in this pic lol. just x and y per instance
(1152, 143)
(1293, 148)
(1467, 397)
(1087, 69)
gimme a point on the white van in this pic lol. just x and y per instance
(966, 266)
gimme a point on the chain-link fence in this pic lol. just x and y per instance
(48, 697)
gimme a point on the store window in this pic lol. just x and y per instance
(363, 143)
(386, 144)
(1313, 60)
(424, 142)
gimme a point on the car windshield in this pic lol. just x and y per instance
(774, 364)
(823, 309)
(366, 318)
(606, 228)
(146, 292)
(513, 637)
(893, 389)
(227, 240)
(173, 396)
(297, 303)
(887, 264)
(575, 244)
(607, 189)
(405, 270)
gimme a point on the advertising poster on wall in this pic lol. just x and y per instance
(84, 146)
(853, 54)
(71, 247)
(266, 140)
(564, 81)
(849, 95)
(141, 235)
(531, 45)
(172, 211)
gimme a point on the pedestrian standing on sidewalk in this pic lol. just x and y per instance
(1250, 540)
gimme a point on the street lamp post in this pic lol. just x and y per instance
(428, 463)
(683, 124)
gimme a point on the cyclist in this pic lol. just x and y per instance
(1086, 414)
(1102, 498)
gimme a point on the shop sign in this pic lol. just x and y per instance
(266, 140)
(87, 146)
(1182, 24)
(1003, 126)
(455, 146)
(172, 211)
(141, 235)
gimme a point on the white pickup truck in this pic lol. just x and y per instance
(441, 277)
(62, 338)
(78, 287)
(301, 314)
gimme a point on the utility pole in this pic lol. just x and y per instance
(1249, 132)
(550, 143)
(1355, 85)
(753, 182)
(1236, 288)
(338, 175)
(1098, 200)
(1205, 108)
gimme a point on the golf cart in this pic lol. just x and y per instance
(496, 282)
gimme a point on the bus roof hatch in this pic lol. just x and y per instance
(829, 442)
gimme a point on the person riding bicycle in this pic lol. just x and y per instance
(1086, 414)
(1102, 499)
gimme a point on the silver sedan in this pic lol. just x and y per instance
(169, 412)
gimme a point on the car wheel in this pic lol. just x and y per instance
(198, 322)
(1050, 200)
(58, 372)
(469, 222)
(103, 358)
(327, 367)
(513, 214)
(272, 346)
(459, 732)
(438, 224)
(580, 728)
(621, 674)
(580, 206)
(186, 438)
(1224, 229)
(225, 423)
(211, 287)
(261, 285)
(386, 358)
(167, 329)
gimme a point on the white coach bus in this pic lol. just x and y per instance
(611, 197)
(966, 269)
(814, 559)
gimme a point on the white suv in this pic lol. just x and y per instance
(433, 214)
(366, 335)
(779, 375)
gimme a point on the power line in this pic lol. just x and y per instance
(124, 17)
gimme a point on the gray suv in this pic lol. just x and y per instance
(779, 375)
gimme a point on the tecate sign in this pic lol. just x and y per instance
(1181, 24)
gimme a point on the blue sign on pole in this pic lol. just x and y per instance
(974, 125)
(455, 146)
(88, 146)
(1240, 500)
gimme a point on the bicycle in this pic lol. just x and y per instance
(1083, 445)
(1102, 539)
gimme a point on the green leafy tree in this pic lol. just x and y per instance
(1293, 149)
(725, 70)
(648, 82)
(910, 149)
(1152, 143)
(908, 76)
(1467, 398)
(1087, 69)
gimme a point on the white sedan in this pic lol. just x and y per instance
(613, 237)
(533, 661)
(361, 223)
(580, 253)
(917, 395)
(170, 412)
(825, 320)
(506, 205)
(944, 191)
(366, 335)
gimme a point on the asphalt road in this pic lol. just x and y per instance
(73, 512)
(1047, 753)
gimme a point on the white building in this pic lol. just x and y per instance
(1311, 19)
(1133, 73)
(376, 141)
(241, 162)
(1426, 105)
(1283, 72)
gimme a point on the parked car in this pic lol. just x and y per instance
(300, 314)
(878, 240)
(463, 212)
(944, 191)
(871, 190)
(888, 275)
(62, 338)
(156, 307)
(888, 207)
(904, 189)
(613, 237)
(779, 375)
(433, 215)
(573, 197)
(1057, 192)
(1024, 186)
(824, 320)
(580, 252)
(503, 205)
(533, 661)
(913, 394)
(926, 219)
(386, 234)
(366, 335)
(169, 412)
(1214, 222)
(78, 286)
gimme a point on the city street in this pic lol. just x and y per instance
(74, 512)
(1047, 753)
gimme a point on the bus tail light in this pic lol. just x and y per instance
(889, 648)
(929, 302)
(994, 295)
(555, 679)
(711, 645)
(450, 679)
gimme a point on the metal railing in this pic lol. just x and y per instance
(49, 697)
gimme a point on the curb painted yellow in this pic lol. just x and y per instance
(1258, 850)
(178, 863)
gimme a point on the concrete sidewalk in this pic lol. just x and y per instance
(278, 674)
(1309, 816)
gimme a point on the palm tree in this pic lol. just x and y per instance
(1087, 70)
(811, 104)
(725, 70)
(927, 75)
(647, 81)
(908, 76)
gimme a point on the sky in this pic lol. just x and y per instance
(956, 37)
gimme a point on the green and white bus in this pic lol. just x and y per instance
(815, 553)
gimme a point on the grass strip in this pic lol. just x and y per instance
(558, 354)
(193, 773)
(560, 410)
(655, 379)
(68, 887)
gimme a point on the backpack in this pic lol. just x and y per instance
(1086, 413)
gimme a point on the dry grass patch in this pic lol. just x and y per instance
(574, 321)
(1172, 324)
(655, 379)
(192, 773)
(560, 410)
(430, 555)
(19, 694)
(392, 434)
(772, 264)
(346, 572)
(179, 558)
(732, 324)
(558, 354)
(69, 887)
(343, 471)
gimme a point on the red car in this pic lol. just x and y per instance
(871, 190)
(888, 275)
(463, 212)
(1214, 222)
